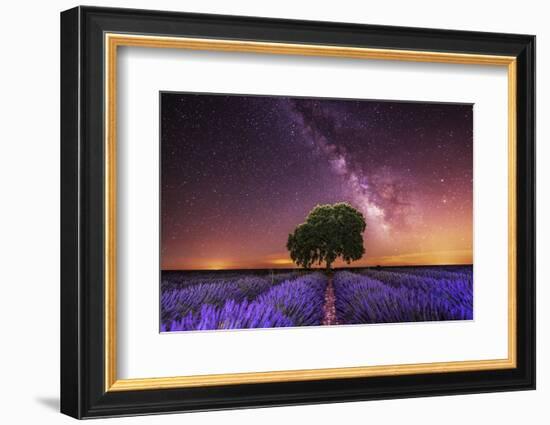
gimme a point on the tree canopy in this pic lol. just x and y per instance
(329, 232)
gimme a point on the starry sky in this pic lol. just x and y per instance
(239, 172)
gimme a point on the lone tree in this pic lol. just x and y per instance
(329, 232)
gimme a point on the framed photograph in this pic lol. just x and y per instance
(261, 212)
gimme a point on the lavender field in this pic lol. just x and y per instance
(193, 301)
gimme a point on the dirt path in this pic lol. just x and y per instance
(329, 308)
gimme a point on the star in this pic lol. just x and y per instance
(239, 172)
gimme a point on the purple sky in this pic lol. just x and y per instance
(239, 173)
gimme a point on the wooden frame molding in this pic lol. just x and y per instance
(114, 40)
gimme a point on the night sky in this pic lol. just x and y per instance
(238, 173)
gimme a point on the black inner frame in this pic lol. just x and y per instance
(82, 207)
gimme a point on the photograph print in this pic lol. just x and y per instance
(292, 211)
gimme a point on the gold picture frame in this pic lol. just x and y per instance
(91, 40)
(114, 41)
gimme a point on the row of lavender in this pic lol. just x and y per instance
(404, 295)
(179, 279)
(187, 293)
(248, 302)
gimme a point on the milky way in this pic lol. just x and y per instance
(238, 173)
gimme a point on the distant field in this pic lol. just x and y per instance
(200, 300)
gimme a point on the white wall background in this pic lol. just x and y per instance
(29, 217)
